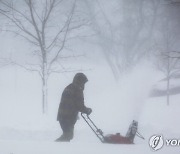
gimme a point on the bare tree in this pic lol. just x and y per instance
(124, 41)
(169, 66)
(168, 61)
(37, 24)
(103, 31)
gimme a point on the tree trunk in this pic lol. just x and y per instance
(168, 80)
(168, 95)
(44, 89)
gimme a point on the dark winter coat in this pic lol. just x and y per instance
(72, 102)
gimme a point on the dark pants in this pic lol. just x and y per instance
(67, 126)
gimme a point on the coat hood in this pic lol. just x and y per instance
(80, 79)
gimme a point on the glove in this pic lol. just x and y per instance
(89, 110)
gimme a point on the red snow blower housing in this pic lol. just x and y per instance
(114, 138)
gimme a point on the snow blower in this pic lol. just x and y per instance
(114, 138)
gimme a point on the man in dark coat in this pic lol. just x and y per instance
(72, 102)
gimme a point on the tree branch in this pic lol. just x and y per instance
(26, 68)
(30, 5)
(65, 35)
(46, 17)
(17, 33)
(19, 25)
(17, 11)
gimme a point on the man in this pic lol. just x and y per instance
(72, 102)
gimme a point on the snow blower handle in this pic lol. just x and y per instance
(98, 132)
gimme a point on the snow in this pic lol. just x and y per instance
(69, 148)
(23, 128)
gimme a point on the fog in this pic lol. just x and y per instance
(129, 51)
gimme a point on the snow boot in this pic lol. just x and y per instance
(62, 138)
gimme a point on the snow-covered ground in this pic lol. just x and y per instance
(24, 130)
(79, 148)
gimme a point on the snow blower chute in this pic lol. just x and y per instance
(114, 138)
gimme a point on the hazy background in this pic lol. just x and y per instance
(128, 49)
